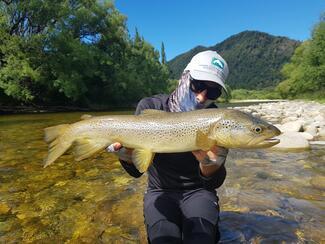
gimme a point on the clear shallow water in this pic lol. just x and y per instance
(268, 196)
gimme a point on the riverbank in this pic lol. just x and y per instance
(302, 123)
(55, 109)
(23, 109)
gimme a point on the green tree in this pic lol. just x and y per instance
(305, 74)
(77, 52)
(163, 53)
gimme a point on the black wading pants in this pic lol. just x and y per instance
(181, 217)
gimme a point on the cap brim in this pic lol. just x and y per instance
(201, 75)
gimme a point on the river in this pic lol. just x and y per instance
(268, 196)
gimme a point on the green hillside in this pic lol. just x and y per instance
(254, 58)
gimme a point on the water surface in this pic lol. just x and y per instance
(268, 196)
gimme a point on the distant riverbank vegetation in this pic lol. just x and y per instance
(75, 53)
(304, 76)
(80, 54)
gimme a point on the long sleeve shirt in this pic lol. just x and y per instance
(174, 171)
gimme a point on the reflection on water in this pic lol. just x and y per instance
(268, 196)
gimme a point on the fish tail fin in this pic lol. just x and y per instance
(58, 142)
(85, 147)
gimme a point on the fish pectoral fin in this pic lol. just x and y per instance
(203, 141)
(142, 159)
(152, 111)
(85, 147)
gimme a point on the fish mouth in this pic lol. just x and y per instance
(268, 142)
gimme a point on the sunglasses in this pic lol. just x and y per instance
(213, 89)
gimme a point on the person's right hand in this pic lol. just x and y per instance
(124, 154)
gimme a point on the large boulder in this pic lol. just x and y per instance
(311, 129)
(294, 126)
(307, 136)
(292, 140)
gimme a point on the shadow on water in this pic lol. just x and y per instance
(236, 227)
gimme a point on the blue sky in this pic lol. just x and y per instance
(182, 25)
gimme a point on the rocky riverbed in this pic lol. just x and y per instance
(302, 123)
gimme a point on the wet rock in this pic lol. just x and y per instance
(292, 140)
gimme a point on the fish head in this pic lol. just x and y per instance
(236, 129)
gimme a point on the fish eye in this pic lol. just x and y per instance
(257, 129)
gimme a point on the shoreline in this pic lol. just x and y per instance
(10, 110)
(257, 100)
(7, 110)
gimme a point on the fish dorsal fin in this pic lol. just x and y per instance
(152, 111)
(86, 116)
(203, 141)
(142, 159)
(85, 147)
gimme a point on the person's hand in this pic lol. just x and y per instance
(114, 147)
(201, 154)
(215, 156)
(124, 154)
(212, 160)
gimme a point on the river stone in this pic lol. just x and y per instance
(319, 118)
(292, 140)
(317, 142)
(294, 126)
(311, 129)
(307, 136)
(318, 182)
(4, 208)
(288, 119)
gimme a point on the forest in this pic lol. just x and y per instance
(76, 53)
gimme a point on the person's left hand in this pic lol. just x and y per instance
(201, 154)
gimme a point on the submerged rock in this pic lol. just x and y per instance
(318, 182)
(4, 208)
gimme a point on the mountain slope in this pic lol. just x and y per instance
(254, 58)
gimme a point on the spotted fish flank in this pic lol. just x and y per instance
(160, 132)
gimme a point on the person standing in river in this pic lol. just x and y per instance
(181, 203)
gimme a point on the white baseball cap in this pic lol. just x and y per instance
(209, 66)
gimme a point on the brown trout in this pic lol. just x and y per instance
(156, 131)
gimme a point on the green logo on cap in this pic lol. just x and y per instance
(218, 63)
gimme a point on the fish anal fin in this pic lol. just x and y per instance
(152, 111)
(203, 141)
(85, 147)
(142, 159)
